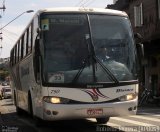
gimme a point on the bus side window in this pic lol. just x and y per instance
(18, 52)
(37, 61)
(24, 44)
(12, 57)
(21, 42)
(30, 39)
(15, 53)
(27, 36)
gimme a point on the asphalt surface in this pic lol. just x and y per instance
(146, 120)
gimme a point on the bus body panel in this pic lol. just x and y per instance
(71, 111)
(25, 81)
(102, 94)
(88, 111)
(22, 75)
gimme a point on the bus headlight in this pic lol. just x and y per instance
(128, 97)
(55, 100)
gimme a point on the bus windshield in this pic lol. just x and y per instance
(81, 47)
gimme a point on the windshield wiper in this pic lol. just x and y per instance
(80, 71)
(96, 59)
(111, 75)
(87, 37)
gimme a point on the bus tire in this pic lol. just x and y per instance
(30, 106)
(37, 121)
(14, 95)
(102, 120)
(19, 111)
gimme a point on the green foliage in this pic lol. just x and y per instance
(3, 73)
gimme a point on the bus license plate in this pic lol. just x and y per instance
(95, 111)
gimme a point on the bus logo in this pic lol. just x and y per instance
(95, 94)
(123, 90)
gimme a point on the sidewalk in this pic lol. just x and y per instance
(3, 110)
(6, 106)
(149, 106)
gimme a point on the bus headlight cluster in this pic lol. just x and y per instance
(55, 100)
(128, 97)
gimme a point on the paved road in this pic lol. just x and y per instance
(147, 119)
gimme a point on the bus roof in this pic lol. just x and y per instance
(84, 10)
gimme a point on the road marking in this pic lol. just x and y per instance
(131, 121)
(146, 118)
(153, 114)
(91, 119)
(144, 110)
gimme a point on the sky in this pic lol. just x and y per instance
(14, 8)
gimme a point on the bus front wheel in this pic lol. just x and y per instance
(30, 107)
(18, 110)
(102, 120)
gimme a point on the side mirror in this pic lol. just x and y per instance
(39, 31)
(140, 54)
(140, 50)
(138, 38)
(139, 45)
(37, 47)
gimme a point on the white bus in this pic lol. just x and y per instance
(57, 70)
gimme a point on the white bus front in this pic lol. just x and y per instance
(76, 81)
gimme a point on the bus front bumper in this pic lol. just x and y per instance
(80, 111)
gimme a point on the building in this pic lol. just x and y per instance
(114, 1)
(4, 60)
(145, 19)
(119, 5)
